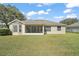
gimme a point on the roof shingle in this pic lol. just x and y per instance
(38, 22)
(41, 22)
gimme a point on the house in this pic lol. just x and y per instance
(73, 27)
(35, 27)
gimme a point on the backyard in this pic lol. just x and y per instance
(44, 45)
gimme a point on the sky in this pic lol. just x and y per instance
(48, 11)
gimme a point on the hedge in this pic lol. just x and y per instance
(4, 32)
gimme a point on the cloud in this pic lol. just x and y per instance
(71, 16)
(40, 12)
(28, 17)
(67, 16)
(39, 5)
(59, 17)
(68, 11)
(48, 10)
(72, 5)
(31, 13)
(43, 4)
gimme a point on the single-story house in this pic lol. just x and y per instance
(36, 27)
(73, 27)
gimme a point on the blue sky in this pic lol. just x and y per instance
(48, 11)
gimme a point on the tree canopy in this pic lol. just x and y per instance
(69, 21)
(9, 13)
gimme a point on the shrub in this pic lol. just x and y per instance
(5, 32)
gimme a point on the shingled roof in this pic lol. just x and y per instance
(41, 22)
(74, 25)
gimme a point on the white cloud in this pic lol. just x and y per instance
(39, 5)
(40, 12)
(43, 4)
(71, 16)
(68, 11)
(48, 10)
(47, 3)
(72, 5)
(28, 17)
(67, 16)
(60, 17)
(31, 13)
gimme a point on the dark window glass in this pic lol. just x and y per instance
(58, 28)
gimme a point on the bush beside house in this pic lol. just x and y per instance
(5, 31)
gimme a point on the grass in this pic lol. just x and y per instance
(45, 45)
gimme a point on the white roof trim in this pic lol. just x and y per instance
(14, 21)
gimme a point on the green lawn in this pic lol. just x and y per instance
(65, 44)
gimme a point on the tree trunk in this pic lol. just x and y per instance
(7, 25)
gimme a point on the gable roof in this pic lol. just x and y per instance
(16, 20)
(38, 22)
(74, 25)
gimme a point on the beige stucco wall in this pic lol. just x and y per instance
(11, 28)
(54, 30)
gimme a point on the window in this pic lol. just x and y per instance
(20, 27)
(33, 29)
(15, 28)
(58, 28)
(47, 28)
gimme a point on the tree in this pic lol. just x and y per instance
(69, 21)
(9, 13)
